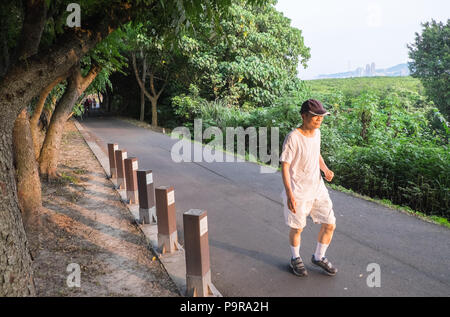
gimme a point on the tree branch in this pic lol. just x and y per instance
(23, 81)
(42, 97)
(152, 84)
(87, 80)
(136, 73)
(163, 87)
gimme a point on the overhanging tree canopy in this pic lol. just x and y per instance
(45, 50)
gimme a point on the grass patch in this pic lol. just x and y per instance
(387, 203)
(354, 86)
(66, 178)
(80, 171)
(145, 125)
(69, 137)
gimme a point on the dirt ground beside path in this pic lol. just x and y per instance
(84, 222)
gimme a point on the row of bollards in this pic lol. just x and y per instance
(157, 205)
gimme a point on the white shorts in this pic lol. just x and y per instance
(319, 209)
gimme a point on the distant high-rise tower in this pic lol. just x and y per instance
(367, 72)
(372, 69)
(359, 71)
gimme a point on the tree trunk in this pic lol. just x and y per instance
(100, 102)
(28, 182)
(16, 277)
(33, 26)
(49, 111)
(77, 84)
(142, 113)
(48, 158)
(154, 102)
(4, 50)
(144, 74)
(107, 100)
(21, 83)
(37, 114)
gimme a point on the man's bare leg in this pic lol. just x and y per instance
(326, 233)
(324, 239)
(295, 236)
(296, 261)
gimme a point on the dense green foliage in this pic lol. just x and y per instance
(390, 146)
(430, 54)
(353, 87)
(254, 62)
(248, 59)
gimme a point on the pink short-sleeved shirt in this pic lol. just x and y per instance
(302, 153)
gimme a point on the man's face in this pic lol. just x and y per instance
(312, 121)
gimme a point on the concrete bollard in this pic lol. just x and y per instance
(131, 166)
(147, 210)
(198, 272)
(112, 147)
(120, 156)
(167, 222)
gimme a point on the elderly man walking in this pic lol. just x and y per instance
(305, 192)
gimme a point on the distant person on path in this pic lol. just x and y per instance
(87, 105)
(305, 192)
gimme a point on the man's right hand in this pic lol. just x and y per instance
(291, 203)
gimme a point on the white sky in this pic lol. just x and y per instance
(358, 32)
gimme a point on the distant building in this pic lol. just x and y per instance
(359, 72)
(367, 72)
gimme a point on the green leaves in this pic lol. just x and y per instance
(430, 54)
(252, 61)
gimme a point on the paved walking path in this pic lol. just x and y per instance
(248, 238)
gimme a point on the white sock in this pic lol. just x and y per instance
(320, 251)
(295, 251)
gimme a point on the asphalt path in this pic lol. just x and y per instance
(249, 248)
